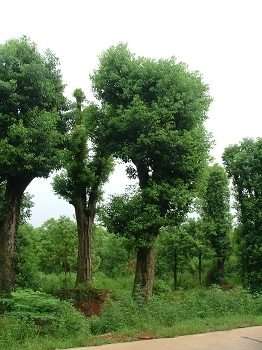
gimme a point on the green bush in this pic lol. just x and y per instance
(50, 315)
(55, 283)
(13, 331)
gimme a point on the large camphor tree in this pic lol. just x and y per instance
(87, 167)
(243, 163)
(32, 134)
(156, 111)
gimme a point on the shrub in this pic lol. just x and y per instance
(50, 315)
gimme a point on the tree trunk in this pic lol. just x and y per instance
(85, 222)
(84, 258)
(175, 270)
(9, 220)
(221, 270)
(199, 266)
(145, 272)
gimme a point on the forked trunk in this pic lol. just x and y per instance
(145, 272)
(85, 222)
(9, 220)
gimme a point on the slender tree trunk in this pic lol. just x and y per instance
(9, 220)
(221, 270)
(145, 272)
(175, 270)
(199, 266)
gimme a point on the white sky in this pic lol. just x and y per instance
(220, 38)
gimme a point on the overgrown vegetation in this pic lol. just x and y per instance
(33, 320)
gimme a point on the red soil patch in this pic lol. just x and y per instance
(144, 336)
(89, 304)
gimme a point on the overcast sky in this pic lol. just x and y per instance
(220, 38)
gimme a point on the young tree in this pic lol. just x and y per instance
(58, 245)
(216, 217)
(87, 167)
(243, 163)
(175, 248)
(195, 228)
(31, 133)
(155, 120)
(27, 255)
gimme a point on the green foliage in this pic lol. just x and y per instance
(130, 216)
(52, 315)
(175, 248)
(217, 218)
(54, 283)
(26, 206)
(33, 134)
(58, 245)
(31, 94)
(126, 313)
(28, 260)
(51, 248)
(13, 332)
(155, 116)
(154, 121)
(111, 253)
(87, 167)
(243, 163)
(115, 256)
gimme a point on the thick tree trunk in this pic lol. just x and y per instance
(145, 272)
(84, 258)
(85, 222)
(9, 220)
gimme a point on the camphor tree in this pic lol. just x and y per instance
(32, 138)
(87, 167)
(155, 123)
(217, 218)
(243, 163)
(175, 248)
(195, 229)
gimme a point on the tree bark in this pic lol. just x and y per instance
(85, 221)
(9, 220)
(84, 258)
(145, 272)
(221, 270)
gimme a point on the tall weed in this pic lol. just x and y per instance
(126, 313)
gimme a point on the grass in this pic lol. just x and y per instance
(168, 314)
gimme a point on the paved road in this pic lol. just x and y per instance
(238, 339)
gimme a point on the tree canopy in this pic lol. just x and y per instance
(155, 123)
(216, 216)
(243, 163)
(32, 133)
(87, 165)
